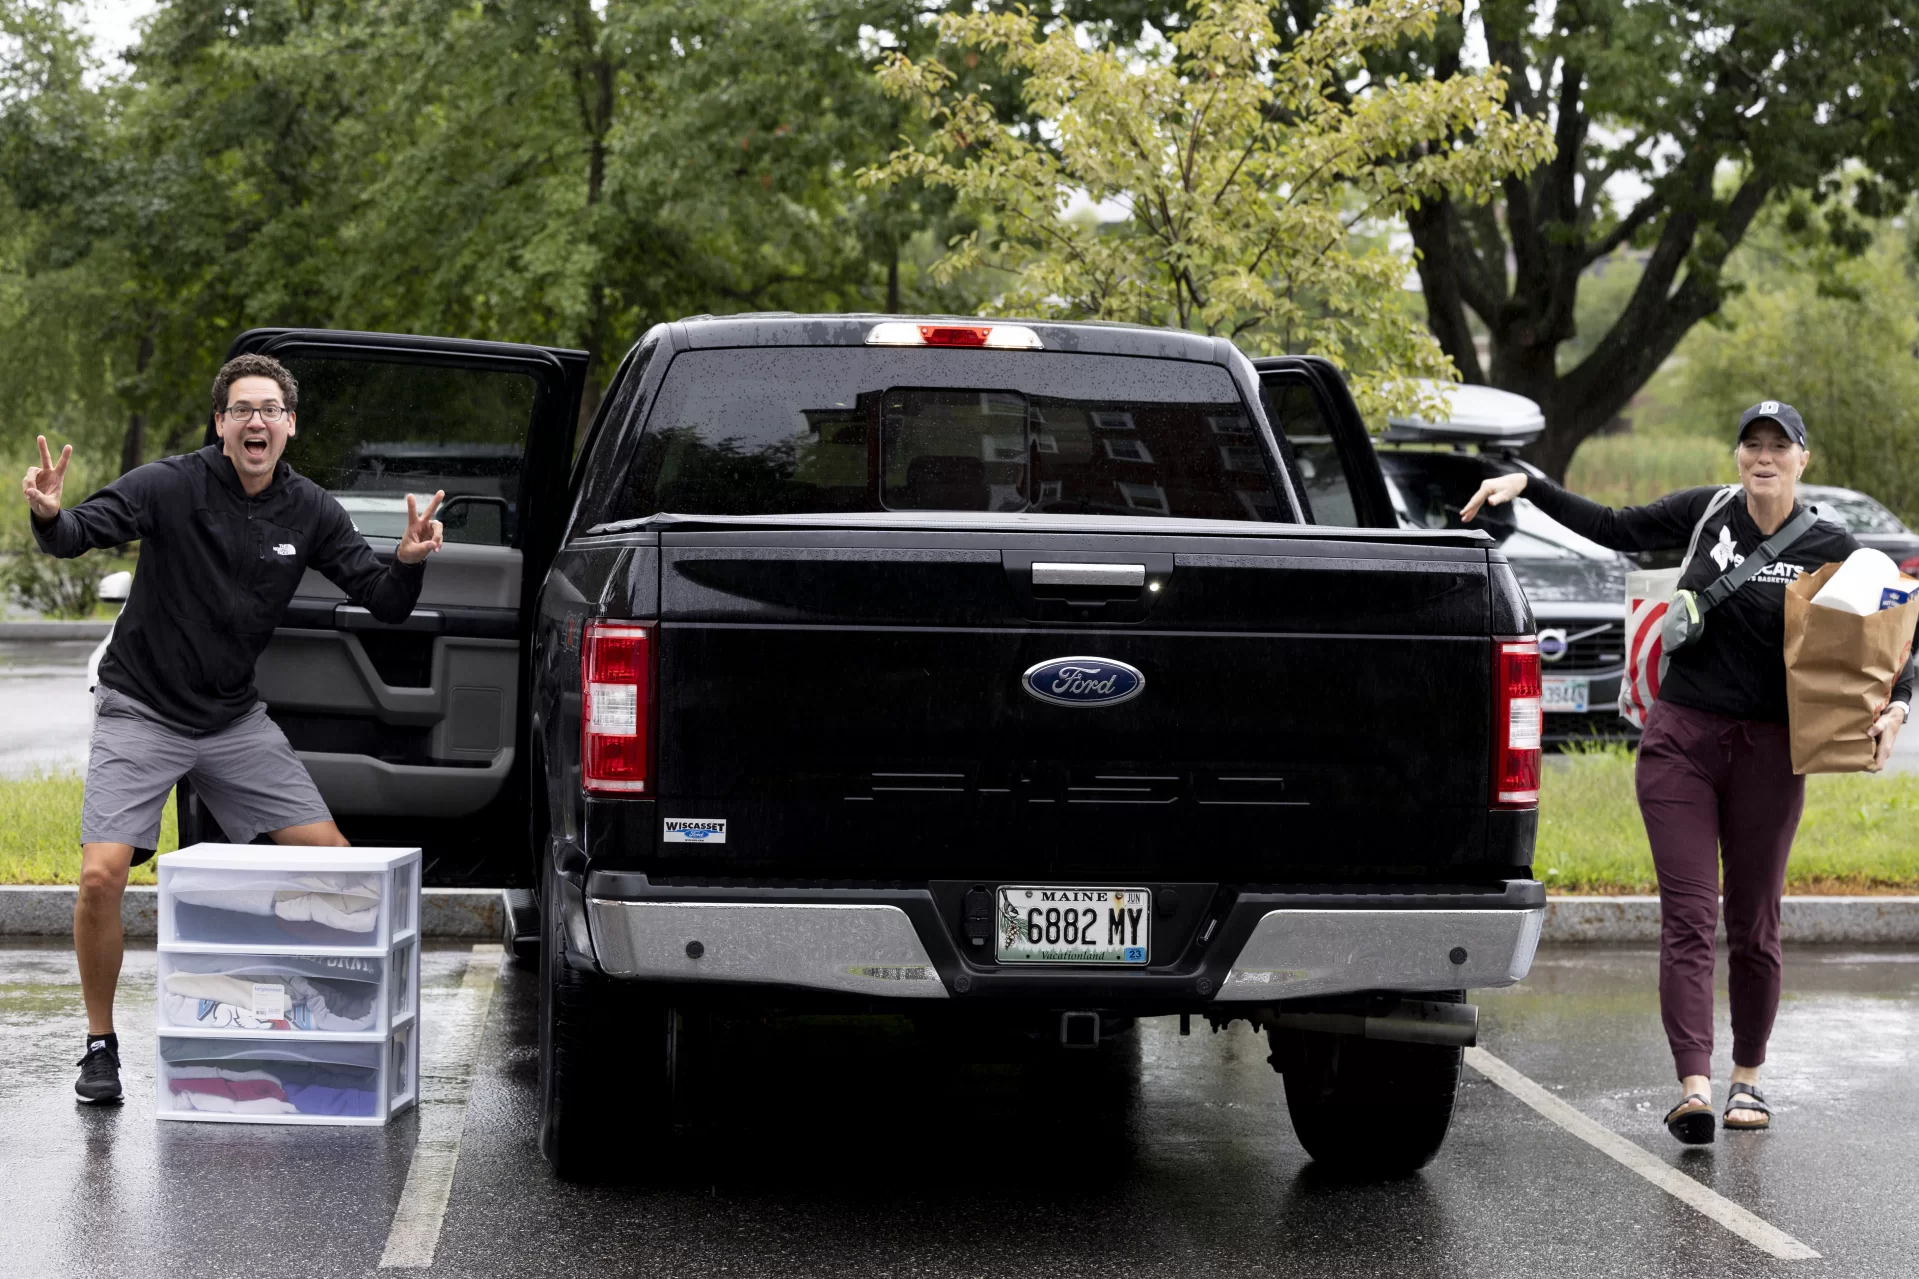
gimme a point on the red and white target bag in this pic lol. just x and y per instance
(1648, 592)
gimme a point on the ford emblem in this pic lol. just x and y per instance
(1083, 681)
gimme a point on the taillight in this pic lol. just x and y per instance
(1517, 720)
(1910, 567)
(999, 337)
(616, 711)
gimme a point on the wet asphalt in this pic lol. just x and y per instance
(839, 1148)
(45, 710)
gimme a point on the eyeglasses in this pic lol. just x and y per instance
(243, 413)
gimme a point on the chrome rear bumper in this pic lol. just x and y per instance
(900, 948)
(853, 948)
(1297, 953)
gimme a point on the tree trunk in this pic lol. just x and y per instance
(893, 282)
(590, 397)
(133, 447)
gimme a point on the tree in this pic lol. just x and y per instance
(1714, 108)
(73, 355)
(1829, 332)
(550, 171)
(1247, 166)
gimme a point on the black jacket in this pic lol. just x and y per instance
(1737, 667)
(217, 569)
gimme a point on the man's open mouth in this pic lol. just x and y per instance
(254, 445)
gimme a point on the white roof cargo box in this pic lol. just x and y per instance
(1478, 415)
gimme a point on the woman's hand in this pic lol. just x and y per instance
(1886, 730)
(1497, 491)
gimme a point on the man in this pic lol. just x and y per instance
(225, 535)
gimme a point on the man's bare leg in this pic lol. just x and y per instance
(97, 941)
(311, 835)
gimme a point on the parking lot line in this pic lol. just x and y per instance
(1754, 1230)
(445, 1081)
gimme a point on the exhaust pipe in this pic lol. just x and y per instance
(1411, 1021)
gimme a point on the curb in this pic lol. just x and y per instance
(47, 911)
(54, 630)
(1802, 920)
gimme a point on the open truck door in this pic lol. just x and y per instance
(414, 732)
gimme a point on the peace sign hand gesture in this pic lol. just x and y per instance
(43, 482)
(423, 533)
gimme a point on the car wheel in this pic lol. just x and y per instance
(607, 1058)
(1368, 1107)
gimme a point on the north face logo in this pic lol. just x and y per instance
(1723, 552)
(284, 548)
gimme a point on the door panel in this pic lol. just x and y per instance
(463, 576)
(412, 731)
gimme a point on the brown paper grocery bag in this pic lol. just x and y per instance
(1840, 668)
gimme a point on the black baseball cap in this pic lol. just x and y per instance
(1772, 410)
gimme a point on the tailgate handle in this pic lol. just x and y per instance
(1127, 575)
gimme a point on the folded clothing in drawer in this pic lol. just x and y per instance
(238, 1078)
(338, 994)
(313, 909)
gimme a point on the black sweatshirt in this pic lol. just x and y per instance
(217, 569)
(1738, 666)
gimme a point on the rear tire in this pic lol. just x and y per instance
(1368, 1107)
(607, 1057)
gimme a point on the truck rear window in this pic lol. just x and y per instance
(820, 430)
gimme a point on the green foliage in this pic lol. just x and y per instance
(547, 171)
(1856, 835)
(50, 587)
(1708, 112)
(1631, 470)
(1835, 336)
(1246, 164)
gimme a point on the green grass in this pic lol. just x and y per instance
(1857, 835)
(40, 831)
(1629, 470)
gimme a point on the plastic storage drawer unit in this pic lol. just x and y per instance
(274, 1080)
(255, 898)
(300, 995)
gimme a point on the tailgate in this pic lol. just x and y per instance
(853, 703)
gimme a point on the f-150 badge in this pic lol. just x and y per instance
(1083, 681)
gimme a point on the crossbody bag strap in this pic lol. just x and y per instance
(1713, 507)
(1768, 552)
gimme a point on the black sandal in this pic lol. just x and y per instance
(1753, 1102)
(1694, 1127)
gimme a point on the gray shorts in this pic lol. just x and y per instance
(246, 774)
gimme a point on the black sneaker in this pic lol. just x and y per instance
(99, 1073)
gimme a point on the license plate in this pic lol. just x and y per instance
(1040, 925)
(1564, 693)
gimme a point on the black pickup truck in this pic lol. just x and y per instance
(1019, 679)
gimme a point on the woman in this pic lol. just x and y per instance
(1714, 776)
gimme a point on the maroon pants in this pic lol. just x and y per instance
(1713, 788)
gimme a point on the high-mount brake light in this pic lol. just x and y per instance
(1517, 722)
(994, 337)
(616, 711)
